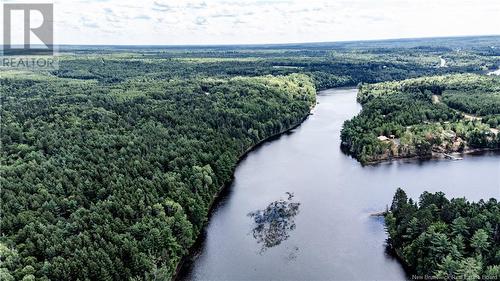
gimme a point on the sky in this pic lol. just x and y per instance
(178, 22)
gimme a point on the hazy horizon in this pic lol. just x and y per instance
(284, 44)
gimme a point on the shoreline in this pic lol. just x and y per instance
(433, 156)
(194, 249)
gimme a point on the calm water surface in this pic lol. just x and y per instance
(321, 229)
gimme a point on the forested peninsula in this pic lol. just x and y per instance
(426, 116)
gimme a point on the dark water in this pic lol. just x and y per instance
(321, 229)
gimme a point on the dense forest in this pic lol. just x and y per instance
(114, 182)
(329, 64)
(446, 239)
(110, 163)
(416, 117)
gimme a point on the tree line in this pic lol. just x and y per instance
(445, 239)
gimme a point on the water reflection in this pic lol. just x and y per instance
(274, 224)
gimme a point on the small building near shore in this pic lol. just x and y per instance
(383, 138)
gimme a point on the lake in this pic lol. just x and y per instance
(319, 226)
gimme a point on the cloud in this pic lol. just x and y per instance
(238, 21)
(196, 5)
(200, 21)
(108, 11)
(160, 6)
(92, 1)
(88, 23)
(224, 16)
(267, 21)
(142, 17)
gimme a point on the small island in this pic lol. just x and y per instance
(425, 117)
